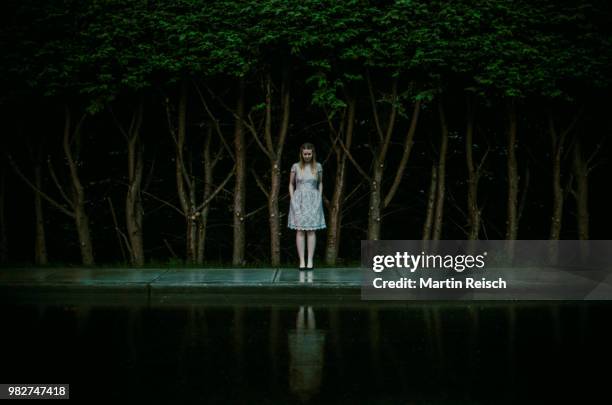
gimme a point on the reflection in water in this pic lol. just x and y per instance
(306, 276)
(511, 369)
(306, 344)
(433, 332)
(273, 347)
(378, 353)
(473, 342)
(374, 332)
(238, 369)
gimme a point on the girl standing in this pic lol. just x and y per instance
(306, 206)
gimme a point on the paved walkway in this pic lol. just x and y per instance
(155, 284)
(187, 277)
(250, 285)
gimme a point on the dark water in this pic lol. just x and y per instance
(414, 353)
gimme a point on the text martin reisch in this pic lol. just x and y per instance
(450, 283)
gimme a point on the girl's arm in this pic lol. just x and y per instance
(291, 181)
(320, 179)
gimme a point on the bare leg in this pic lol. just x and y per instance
(312, 241)
(310, 319)
(299, 241)
(300, 322)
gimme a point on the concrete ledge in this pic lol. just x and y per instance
(147, 286)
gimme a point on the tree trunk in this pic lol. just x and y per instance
(334, 225)
(203, 214)
(374, 217)
(581, 194)
(431, 200)
(275, 232)
(202, 224)
(239, 225)
(82, 224)
(273, 149)
(375, 203)
(558, 142)
(473, 175)
(556, 153)
(78, 193)
(196, 215)
(133, 202)
(194, 222)
(441, 174)
(275, 154)
(557, 211)
(557, 203)
(513, 177)
(40, 243)
(378, 200)
(183, 178)
(75, 199)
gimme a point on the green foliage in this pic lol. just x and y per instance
(97, 50)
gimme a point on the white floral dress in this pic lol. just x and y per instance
(306, 206)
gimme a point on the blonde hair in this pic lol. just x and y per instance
(313, 166)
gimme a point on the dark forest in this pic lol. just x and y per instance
(144, 132)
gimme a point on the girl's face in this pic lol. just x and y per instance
(307, 155)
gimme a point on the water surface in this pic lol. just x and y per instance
(312, 353)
